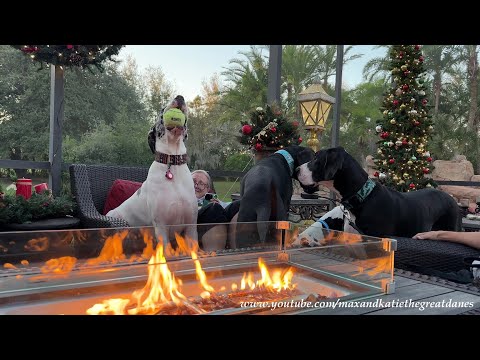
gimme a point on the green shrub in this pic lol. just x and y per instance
(16, 210)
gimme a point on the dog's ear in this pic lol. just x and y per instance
(185, 131)
(160, 128)
(303, 156)
(152, 137)
(333, 162)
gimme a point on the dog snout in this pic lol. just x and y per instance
(177, 130)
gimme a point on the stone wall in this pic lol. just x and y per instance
(458, 169)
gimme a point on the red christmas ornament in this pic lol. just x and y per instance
(421, 59)
(300, 140)
(395, 102)
(406, 73)
(376, 174)
(424, 101)
(246, 129)
(404, 142)
(429, 159)
(273, 129)
(405, 87)
(391, 161)
(426, 171)
(411, 186)
(417, 47)
(416, 123)
(69, 47)
(384, 135)
(295, 123)
(258, 146)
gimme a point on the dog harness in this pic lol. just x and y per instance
(288, 158)
(359, 196)
(170, 160)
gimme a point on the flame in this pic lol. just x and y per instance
(278, 281)
(185, 246)
(163, 289)
(148, 240)
(201, 274)
(373, 267)
(112, 249)
(40, 244)
(340, 237)
(60, 266)
(9, 266)
(110, 307)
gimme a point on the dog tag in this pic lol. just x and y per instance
(169, 175)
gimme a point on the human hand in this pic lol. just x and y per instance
(432, 235)
(472, 207)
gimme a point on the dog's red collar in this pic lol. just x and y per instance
(171, 159)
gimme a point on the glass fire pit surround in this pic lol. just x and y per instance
(127, 271)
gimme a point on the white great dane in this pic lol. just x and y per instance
(167, 197)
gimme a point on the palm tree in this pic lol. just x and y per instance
(326, 59)
(377, 68)
(439, 59)
(246, 81)
(298, 69)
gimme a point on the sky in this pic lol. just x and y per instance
(186, 66)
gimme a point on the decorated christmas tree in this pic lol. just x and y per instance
(82, 56)
(402, 158)
(269, 129)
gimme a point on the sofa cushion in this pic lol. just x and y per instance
(120, 191)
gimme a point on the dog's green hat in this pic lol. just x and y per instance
(174, 117)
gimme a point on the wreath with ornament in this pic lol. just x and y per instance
(269, 128)
(82, 56)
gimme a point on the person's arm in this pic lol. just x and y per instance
(466, 238)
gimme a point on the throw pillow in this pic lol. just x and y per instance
(120, 191)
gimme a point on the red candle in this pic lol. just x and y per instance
(41, 188)
(24, 188)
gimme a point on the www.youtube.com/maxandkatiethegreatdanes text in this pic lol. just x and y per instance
(377, 303)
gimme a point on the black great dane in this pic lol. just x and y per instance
(266, 191)
(379, 210)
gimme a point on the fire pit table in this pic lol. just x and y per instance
(127, 271)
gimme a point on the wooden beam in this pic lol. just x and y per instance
(274, 74)
(24, 164)
(57, 97)
(338, 97)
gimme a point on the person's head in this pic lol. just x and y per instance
(202, 183)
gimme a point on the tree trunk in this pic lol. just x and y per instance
(472, 83)
(437, 86)
(16, 154)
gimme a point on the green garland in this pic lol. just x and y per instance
(16, 210)
(71, 55)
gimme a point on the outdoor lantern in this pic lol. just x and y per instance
(315, 106)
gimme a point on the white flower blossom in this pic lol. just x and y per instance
(259, 109)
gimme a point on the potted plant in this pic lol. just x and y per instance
(268, 130)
